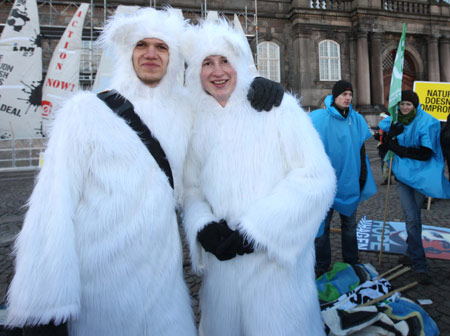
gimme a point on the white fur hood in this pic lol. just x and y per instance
(216, 38)
(123, 32)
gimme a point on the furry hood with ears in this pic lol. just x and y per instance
(123, 31)
(216, 38)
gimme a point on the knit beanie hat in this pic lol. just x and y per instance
(340, 87)
(410, 96)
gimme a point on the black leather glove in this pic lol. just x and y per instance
(234, 244)
(46, 330)
(265, 94)
(213, 234)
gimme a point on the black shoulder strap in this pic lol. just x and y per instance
(122, 107)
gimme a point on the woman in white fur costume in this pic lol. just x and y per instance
(100, 247)
(257, 186)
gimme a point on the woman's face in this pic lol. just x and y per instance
(218, 78)
(406, 107)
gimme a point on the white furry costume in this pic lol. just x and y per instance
(266, 174)
(100, 245)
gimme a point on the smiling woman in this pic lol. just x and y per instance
(218, 78)
(150, 60)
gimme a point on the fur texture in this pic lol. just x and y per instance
(267, 174)
(100, 246)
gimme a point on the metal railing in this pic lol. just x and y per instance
(397, 6)
(21, 153)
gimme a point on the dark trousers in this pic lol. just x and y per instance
(348, 238)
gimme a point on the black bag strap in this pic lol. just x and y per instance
(123, 108)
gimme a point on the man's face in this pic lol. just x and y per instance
(218, 78)
(406, 107)
(150, 60)
(344, 100)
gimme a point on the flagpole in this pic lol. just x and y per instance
(395, 92)
(385, 210)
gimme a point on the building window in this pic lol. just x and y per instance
(269, 60)
(329, 61)
(85, 57)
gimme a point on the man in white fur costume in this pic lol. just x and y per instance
(257, 186)
(100, 252)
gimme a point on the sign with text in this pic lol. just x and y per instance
(63, 72)
(21, 73)
(434, 98)
(435, 240)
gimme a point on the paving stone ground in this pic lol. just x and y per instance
(16, 187)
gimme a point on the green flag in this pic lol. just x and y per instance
(395, 91)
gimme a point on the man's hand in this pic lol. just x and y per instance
(217, 238)
(213, 234)
(265, 94)
(234, 244)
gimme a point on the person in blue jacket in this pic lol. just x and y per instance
(343, 132)
(418, 167)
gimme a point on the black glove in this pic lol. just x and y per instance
(265, 94)
(393, 145)
(46, 330)
(395, 130)
(385, 139)
(213, 234)
(382, 147)
(234, 244)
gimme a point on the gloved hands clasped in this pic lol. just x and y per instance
(217, 238)
(265, 94)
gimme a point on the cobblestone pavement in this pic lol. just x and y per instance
(15, 189)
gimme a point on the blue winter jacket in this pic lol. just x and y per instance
(425, 176)
(343, 138)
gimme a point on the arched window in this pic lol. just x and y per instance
(269, 60)
(329, 61)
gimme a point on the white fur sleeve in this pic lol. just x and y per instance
(196, 210)
(46, 285)
(287, 220)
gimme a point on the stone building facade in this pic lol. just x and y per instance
(309, 43)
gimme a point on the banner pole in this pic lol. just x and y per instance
(385, 209)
